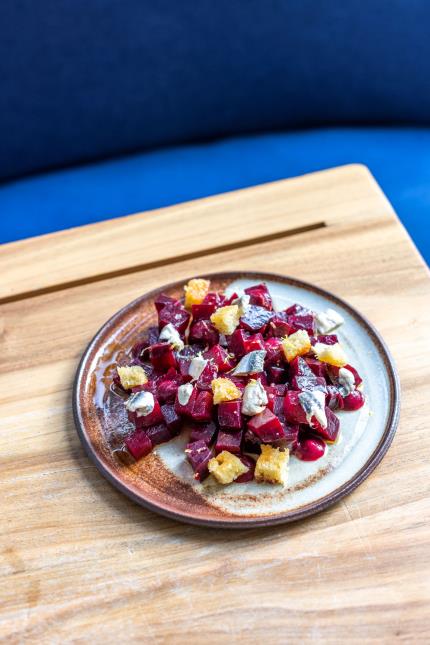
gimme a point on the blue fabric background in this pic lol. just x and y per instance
(399, 159)
(85, 79)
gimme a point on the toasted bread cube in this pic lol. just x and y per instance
(226, 319)
(225, 390)
(195, 291)
(296, 345)
(272, 465)
(132, 376)
(331, 354)
(226, 467)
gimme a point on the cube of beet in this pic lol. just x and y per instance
(220, 357)
(153, 418)
(236, 343)
(303, 378)
(297, 309)
(203, 332)
(274, 354)
(171, 418)
(175, 315)
(276, 374)
(230, 441)
(162, 357)
(271, 395)
(166, 391)
(255, 319)
(202, 409)
(293, 410)
(202, 311)
(229, 415)
(162, 300)
(204, 432)
(291, 433)
(199, 454)
(327, 339)
(306, 322)
(266, 426)
(205, 379)
(138, 444)
(259, 295)
(334, 399)
(250, 464)
(254, 342)
(331, 431)
(353, 401)
(215, 298)
(186, 410)
(159, 434)
(278, 407)
(279, 325)
(318, 368)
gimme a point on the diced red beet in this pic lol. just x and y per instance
(229, 415)
(297, 309)
(166, 391)
(255, 319)
(230, 441)
(162, 357)
(334, 398)
(254, 342)
(220, 358)
(159, 434)
(291, 434)
(202, 408)
(278, 407)
(259, 295)
(184, 366)
(175, 315)
(318, 368)
(276, 374)
(218, 299)
(294, 412)
(306, 322)
(210, 372)
(326, 339)
(203, 332)
(138, 444)
(186, 410)
(331, 431)
(203, 311)
(303, 378)
(281, 388)
(171, 418)
(309, 448)
(236, 343)
(199, 454)
(162, 300)
(353, 401)
(250, 464)
(204, 432)
(279, 325)
(271, 395)
(273, 347)
(266, 426)
(152, 419)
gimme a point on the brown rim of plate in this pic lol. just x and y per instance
(235, 521)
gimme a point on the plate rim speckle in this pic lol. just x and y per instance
(236, 521)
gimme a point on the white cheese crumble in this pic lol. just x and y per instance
(254, 398)
(184, 393)
(251, 363)
(243, 303)
(171, 335)
(346, 381)
(327, 321)
(140, 402)
(313, 404)
(197, 366)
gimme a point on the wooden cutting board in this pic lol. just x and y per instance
(81, 563)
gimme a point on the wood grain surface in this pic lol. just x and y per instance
(81, 563)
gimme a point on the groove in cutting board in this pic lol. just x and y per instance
(165, 262)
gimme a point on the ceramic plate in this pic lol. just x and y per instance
(163, 480)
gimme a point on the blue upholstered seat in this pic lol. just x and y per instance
(398, 157)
